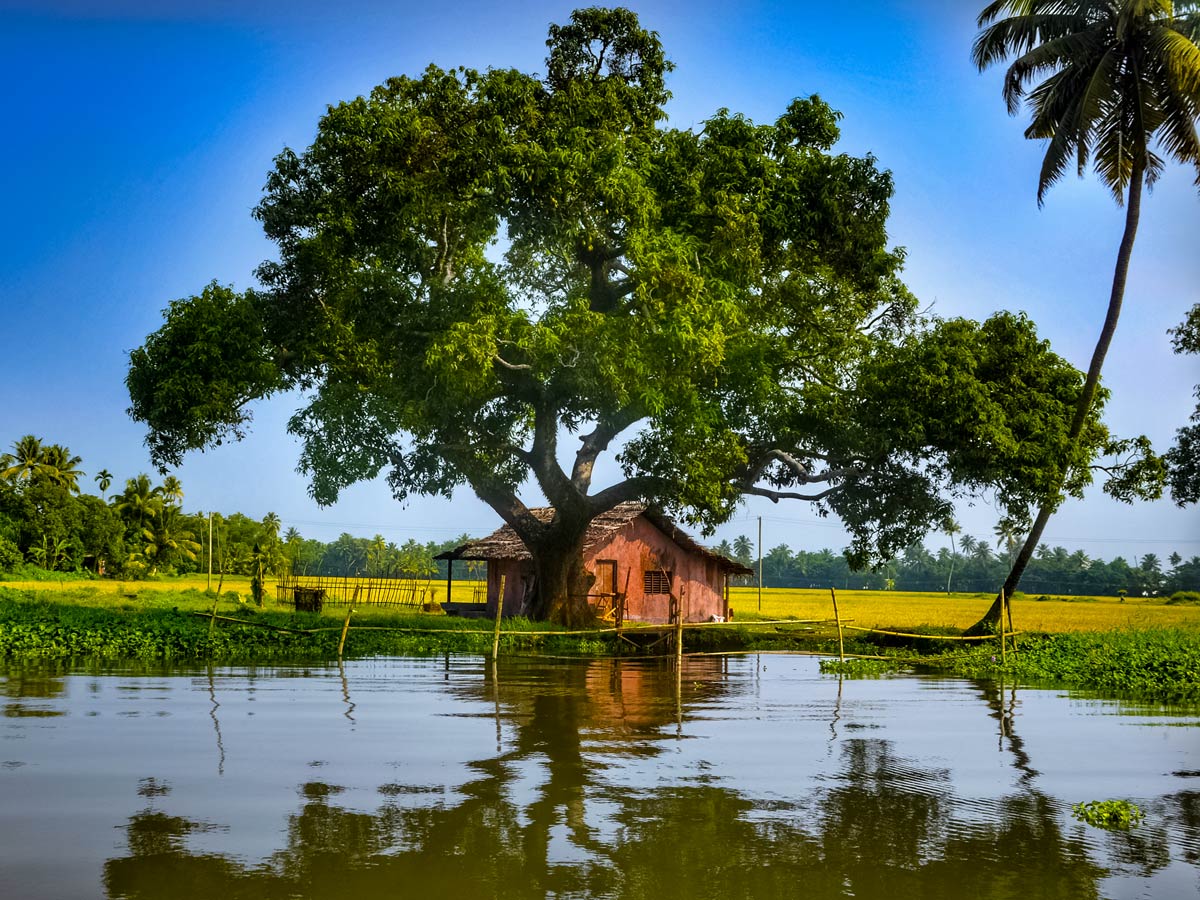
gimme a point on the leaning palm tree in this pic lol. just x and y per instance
(1107, 82)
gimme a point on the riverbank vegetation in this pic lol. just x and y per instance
(1144, 647)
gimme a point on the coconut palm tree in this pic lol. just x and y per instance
(271, 525)
(1107, 81)
(168, 540)
(61, 468)
(951, 528)
(172, 490)
(24, 462)
(139, 503)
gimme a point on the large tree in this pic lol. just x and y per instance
(1183, 460)
(474, 265)
(1112, 81)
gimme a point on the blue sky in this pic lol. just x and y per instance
(139, 135)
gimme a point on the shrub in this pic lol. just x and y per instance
(10, 555)
(1180, 597)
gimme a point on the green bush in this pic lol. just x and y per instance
(1180, 597)
(10, 555)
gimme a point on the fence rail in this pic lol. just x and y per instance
(313, 592)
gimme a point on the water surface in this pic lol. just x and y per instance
(752, 777)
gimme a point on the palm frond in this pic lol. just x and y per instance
(1013, 36)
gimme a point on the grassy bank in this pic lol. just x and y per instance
(1149, 648)
(905, 610)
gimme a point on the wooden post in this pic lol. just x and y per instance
(345, 628)
(499, 612)
(1003, 642)
(760, 563)
(449, 578)
(679, 633)
(209, 586)
(837, 618)
(212, 614)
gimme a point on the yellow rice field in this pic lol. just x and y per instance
(896, 610)
(901, 610)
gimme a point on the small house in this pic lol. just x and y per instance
(645, 568)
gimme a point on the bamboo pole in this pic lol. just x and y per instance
(1003, 638)
(760, 564)
(837, 618)
(499, 612)
(345, 628)
(212, 614)
(679, 633)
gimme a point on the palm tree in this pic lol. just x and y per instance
(1118, 77)
(25, 461)
(139, 503)
(167, 540)
(104, 479)
(61, 468)
(1007, 530)
(271, 525)
(951, 528)
(172, 490)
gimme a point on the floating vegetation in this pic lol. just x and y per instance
(1111, 815)
(862, 668)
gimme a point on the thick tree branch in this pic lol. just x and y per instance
(776, 496)
(553, 481)
(635, 488)
(508, 506)
(595, 443)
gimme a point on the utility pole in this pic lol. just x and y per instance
(760, 563)
(209, 588)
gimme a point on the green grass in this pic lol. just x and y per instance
(1163, 662)
(136, 622)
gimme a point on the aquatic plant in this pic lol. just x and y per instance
(1111, 815)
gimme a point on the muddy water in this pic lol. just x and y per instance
(748, 777)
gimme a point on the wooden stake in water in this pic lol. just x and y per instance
(679, 635)
(345, 628)
(499, 611)
(837, 618)
(212, 614)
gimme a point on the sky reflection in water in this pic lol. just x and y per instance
(441, 777)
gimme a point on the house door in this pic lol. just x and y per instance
(605, 587)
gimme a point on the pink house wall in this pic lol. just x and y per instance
(697, 580)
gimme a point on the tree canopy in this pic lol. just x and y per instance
(473, 265)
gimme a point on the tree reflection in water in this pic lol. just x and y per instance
(887, 828)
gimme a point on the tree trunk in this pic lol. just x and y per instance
(1084, 405)
(561, 582)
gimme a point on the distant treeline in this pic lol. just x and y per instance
(974, 567)
(48, 523)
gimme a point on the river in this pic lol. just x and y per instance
(745, 776)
